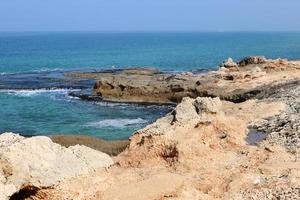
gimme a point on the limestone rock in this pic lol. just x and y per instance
(7, 139)
(185, 112)
(155, 142)
(257, 72)
(40, 163)
(208, 104)
(229, 64)
(233, 80)
(209, 161)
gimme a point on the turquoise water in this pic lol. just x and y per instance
(34, 95)
(21, 52)
(52, 112)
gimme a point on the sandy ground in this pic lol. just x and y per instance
(112, 148)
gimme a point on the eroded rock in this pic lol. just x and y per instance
(202, 160)
(247, 75)
(199, 150)
(208, 105)
(38, 162)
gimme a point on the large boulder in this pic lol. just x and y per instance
(37, 162)
(156, 144)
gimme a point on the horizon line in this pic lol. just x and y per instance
(153, 31)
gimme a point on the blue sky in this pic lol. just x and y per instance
(149, 15)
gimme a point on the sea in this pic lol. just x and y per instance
(34, 92)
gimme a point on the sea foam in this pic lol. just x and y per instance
(118, 123)
(34, 92)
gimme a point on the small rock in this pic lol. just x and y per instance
(222, 135)
(230, 65)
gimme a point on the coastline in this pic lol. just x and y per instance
(230, 82)
(197, 151)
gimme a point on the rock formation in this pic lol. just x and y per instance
(197, 151)
(35, 163)
(233, 81)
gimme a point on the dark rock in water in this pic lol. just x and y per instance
(43, 80)
(85, 97)
(254, 137)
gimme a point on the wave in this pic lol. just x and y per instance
(34, 92)
(90, 69)
(57, 69)
(45, 69)
(118, 123)
(71, 97)
(112, 104)
(34, 71)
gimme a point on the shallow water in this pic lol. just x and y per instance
(254, 137)
(33, 90)
(54, 112)
(37, 103)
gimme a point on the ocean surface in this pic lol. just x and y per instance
(34, 92)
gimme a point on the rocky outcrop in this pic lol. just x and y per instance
(156, 141)
(200, 148)
(208, 141)
(159, 140)
(197, 151)
(37, 163)
(233, 80)
(284, 129)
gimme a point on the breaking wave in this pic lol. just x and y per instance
(34, 92)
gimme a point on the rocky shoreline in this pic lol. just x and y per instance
(197, 151)
(230, 82)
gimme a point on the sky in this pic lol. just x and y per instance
(149, 15)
